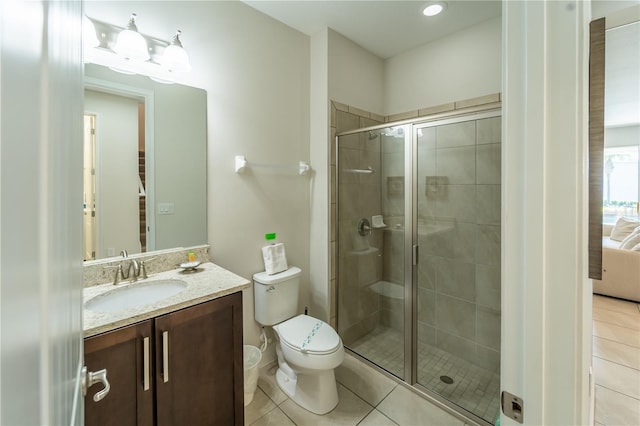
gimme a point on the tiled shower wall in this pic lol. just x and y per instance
(359, 197)
(462, 319)
(459, 237)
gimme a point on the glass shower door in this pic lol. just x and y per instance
(371, 244)
(457, 224)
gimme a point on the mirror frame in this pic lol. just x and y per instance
(597, 32)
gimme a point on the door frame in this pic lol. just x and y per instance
(546, 296)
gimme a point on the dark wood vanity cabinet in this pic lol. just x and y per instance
(195, 369)
(121, 352)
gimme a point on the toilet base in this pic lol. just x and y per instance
(317, 393)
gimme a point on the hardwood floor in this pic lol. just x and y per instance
(616, 361)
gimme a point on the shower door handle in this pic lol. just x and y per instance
(415, 254)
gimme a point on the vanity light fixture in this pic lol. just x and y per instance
(434, 8)
(175, 58)
(128, 51)
(131, 44)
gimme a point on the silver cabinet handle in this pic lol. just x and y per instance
(91, 378)
(145, 367)
(165, 356)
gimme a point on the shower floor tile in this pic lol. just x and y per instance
(474, 388)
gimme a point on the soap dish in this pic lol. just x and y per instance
(190, 266)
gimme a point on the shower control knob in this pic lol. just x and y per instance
(364, 227)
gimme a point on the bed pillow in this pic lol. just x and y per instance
(631, 240)
(623, 228)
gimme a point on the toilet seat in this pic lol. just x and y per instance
(310, 335)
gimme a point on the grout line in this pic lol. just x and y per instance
(385, 397)
(286, 415)
(365, 416)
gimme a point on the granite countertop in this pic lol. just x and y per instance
(209, 282)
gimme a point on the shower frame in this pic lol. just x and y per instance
(411, 247)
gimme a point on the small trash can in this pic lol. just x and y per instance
(252, 357)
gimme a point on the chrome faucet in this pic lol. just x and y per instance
(130, 271)
(126, 273)
(136, 270)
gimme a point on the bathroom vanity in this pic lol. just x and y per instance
(176, 361)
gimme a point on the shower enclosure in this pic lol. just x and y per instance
(418, 254)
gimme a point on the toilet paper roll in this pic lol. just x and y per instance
(275, 258)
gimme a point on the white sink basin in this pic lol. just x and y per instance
(134, 295)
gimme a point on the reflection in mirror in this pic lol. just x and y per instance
(621, 192)
(145, 164)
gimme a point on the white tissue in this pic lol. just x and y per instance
(275, 258)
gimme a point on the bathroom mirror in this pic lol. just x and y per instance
(145, 164)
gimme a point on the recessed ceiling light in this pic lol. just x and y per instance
(433, 8)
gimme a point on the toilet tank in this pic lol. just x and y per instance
(275, 297)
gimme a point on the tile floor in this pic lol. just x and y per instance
(367, 398)
(616, 361)
(474, 388)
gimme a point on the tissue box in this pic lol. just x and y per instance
(275, 258)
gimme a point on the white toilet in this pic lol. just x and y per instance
(308, 349)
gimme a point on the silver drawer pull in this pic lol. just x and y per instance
(145, 367)
(165, 356)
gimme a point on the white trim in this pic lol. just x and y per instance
(148, 97)
(98, 199)
(545, 324)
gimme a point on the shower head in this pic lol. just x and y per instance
(372, 135)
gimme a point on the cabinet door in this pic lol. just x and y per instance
(199, 364)
(122, 353)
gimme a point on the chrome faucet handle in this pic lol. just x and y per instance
(143, 268)
(119, 276)
(124, 253)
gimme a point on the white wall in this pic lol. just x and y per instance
(256, 74)
(460, 66)
(356, 76)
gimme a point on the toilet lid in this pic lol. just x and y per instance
(308, 334)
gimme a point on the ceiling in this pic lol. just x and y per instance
(384, 28)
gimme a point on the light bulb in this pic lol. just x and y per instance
(131, 44)
(175, 58)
